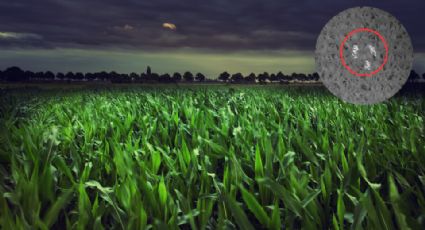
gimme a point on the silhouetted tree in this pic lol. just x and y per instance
(141, 78)
(293, 76)
(423, 76)
(290, 77)
(224, 76)
(299, 77)
(413, 76)
(79, 76)
(263, 77)
(60, 76)
(39, 76)
(188, 76)
(154, 77)
(114, 76)
(284, 79)
(302, 77)
(125, 78)
(49, 76)
(200, 77)
(151, 77)
(316, 76)
(69, 76)
(280, 76)
(29, 76)
(134, 76)
(14, 74)
(121, 78)
(104, 76)
(91, 76)
(165, 78)
(308, 77)
(236, 78)
(250, 78)
(273, 77)
(177, 77)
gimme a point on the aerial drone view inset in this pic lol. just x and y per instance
(219, 115)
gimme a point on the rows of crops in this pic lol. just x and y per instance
(211, 158)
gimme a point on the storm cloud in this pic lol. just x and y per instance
(216, 24)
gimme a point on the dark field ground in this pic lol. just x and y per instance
(204, 157)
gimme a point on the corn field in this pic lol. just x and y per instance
(209, 158)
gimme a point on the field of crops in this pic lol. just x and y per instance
(209, 157)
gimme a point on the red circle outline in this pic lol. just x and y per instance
(341, 52)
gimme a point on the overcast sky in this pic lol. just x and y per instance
(197, 35)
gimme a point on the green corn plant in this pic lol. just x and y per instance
(209, 157)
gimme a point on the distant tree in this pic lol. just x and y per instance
(200, 77)
(95, 75)
(289, 77)
(134, 76)
(151, 77)
(188, 76)
(308, 77)
(177, 77)
(284, 79)
(113, 76)
(143, 77)
(70, 76)
(294, 76)
(316, 76)
(14, 74)
(423, 76)
(120, 78)
(263, 77)
(125, 78)
(260, 78)
(250, 78)
(236, 78)
(224, 76)
(299, 77)
(39, 76)
(1, 76)
(280, 76)
(165, 78)
(413, 76)
(49, 76)
(302, 77)
(29, 76)
(90, 76)
(79, 76)
(273, 77)
(154, 77)
(60, 76)
(104, 76)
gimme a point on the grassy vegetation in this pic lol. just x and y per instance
(209, 157)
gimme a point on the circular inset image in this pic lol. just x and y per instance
(364, 55)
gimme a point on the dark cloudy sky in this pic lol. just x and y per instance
(210, 36)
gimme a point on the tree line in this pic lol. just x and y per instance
(16, 74)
